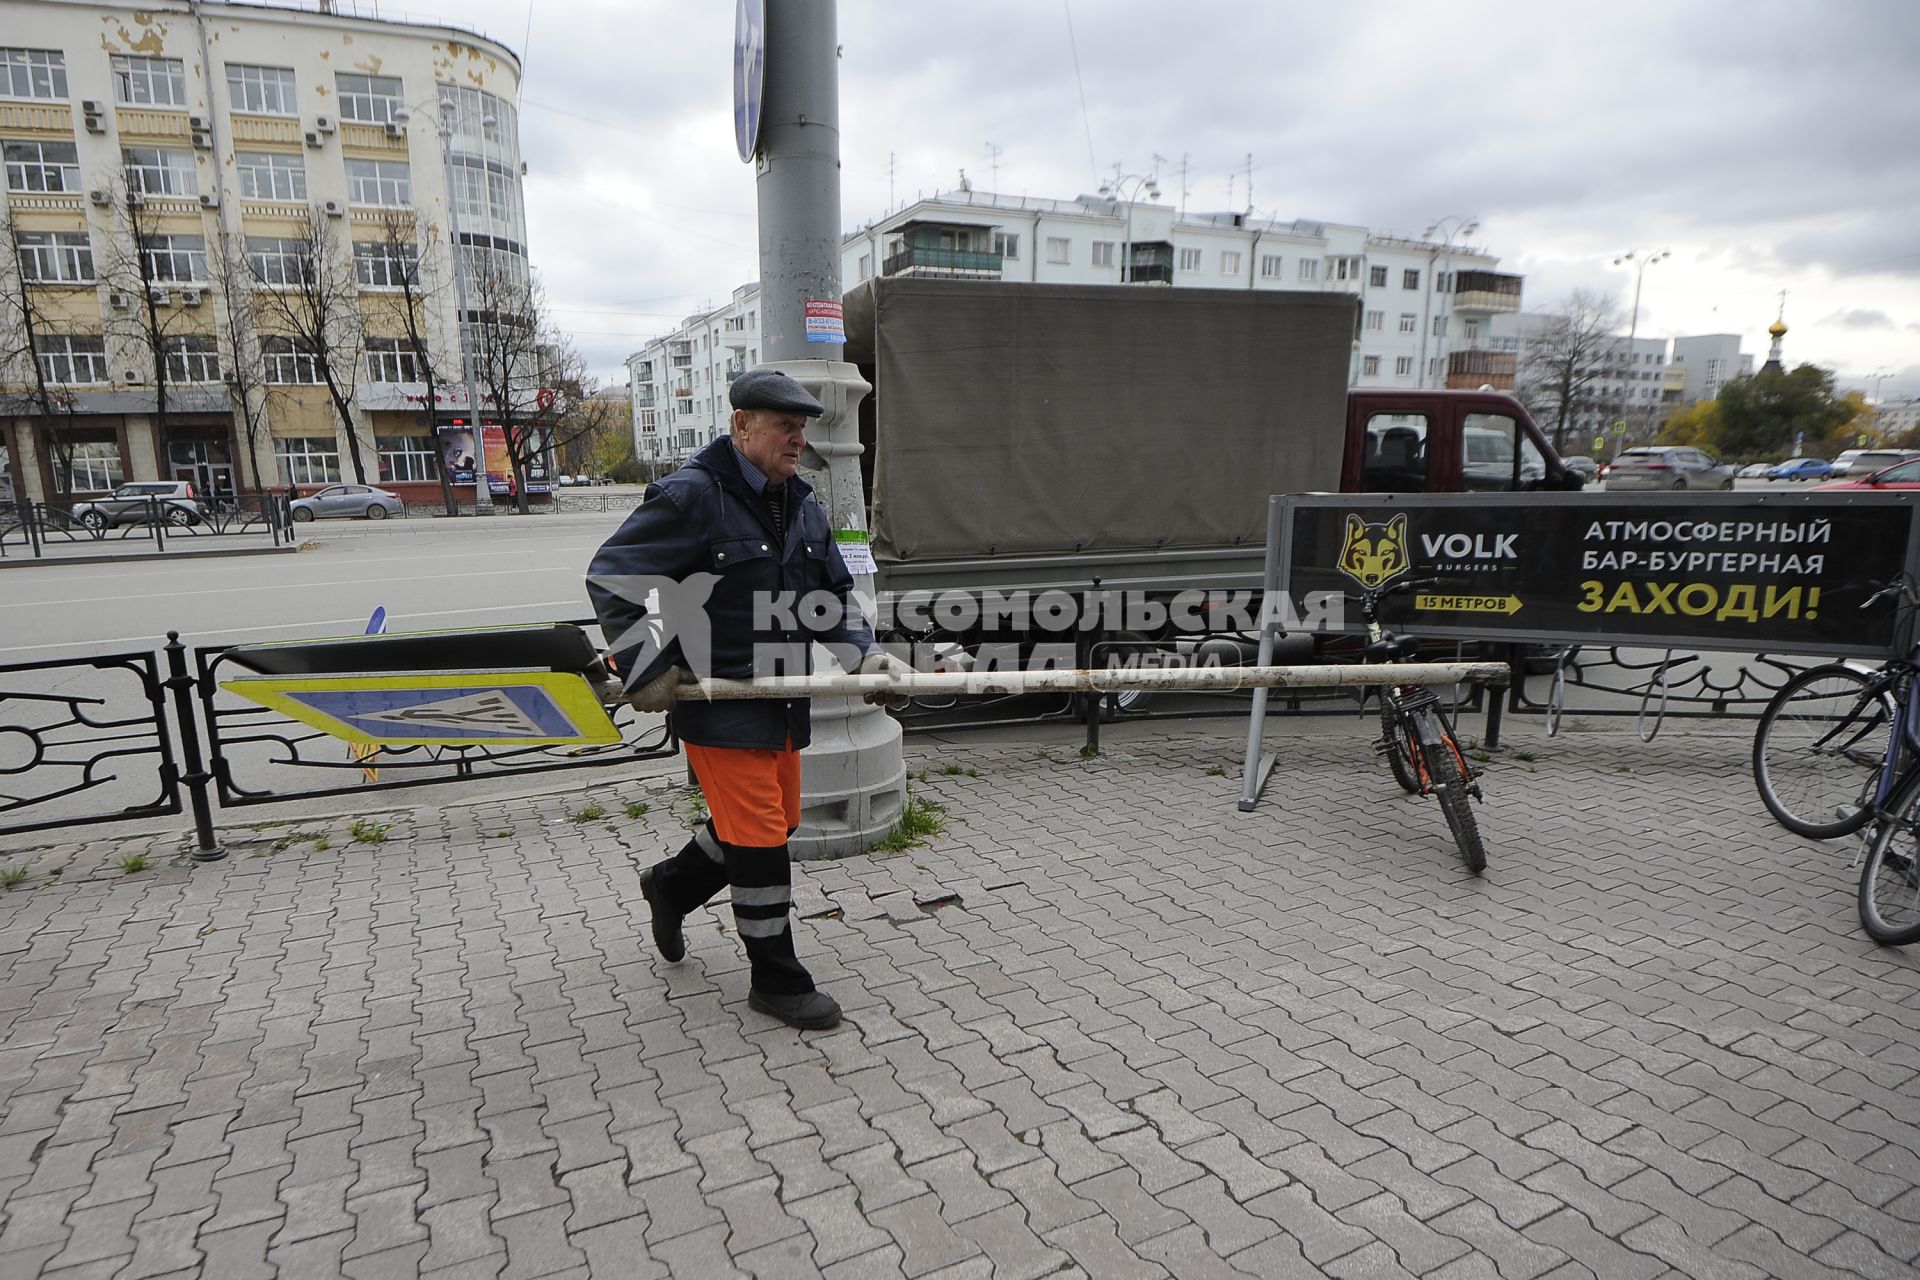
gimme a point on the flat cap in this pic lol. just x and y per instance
(772, 389)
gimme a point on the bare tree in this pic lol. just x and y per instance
(510, 366)
(1567, 357)
(410, 262)
(24, 326)
(239, 342)
(318, 307)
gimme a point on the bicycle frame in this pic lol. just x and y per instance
(1904, 738)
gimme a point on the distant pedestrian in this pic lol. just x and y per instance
(732, 529)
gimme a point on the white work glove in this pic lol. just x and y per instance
(882, 663)
(659, 693)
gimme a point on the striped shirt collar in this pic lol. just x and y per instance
(756, 478)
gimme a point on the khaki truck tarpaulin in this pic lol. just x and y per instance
(1012, 419)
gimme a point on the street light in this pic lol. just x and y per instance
(1454, 225)
(1878, 378)
(1639, 260)
(1117, 188)
(451, 117)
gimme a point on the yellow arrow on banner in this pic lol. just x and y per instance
(1468, 604)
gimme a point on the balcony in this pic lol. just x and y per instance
(682, 361)
(1489, 292)
(1150, 262)
(1471, 370)
(952, 264)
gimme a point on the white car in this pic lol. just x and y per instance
(350, 500)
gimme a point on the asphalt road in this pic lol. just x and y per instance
(427, 572)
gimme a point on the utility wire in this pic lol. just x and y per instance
(1093, 166)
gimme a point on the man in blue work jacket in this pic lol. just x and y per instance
(735, 527)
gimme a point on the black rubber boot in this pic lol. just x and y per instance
(762, 880)
(681, 883)
(807, 1010)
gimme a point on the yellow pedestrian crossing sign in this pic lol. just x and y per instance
(438, 708)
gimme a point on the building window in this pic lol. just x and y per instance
(55, 257)
(1377, 277)
(266, 91)
(271, 175)
(275, 261)
(1309, 268)
(1103, 253)
(1229, 262)
(391, 360)
(866, 266)
(684, 406)
(148, 82)
(1006, 244)
(1059, 250)
(1190, 259)
(379, 265)
(1433, 366)
(368, 99)
(42, 166)
(1409, 323)
(1402, 366)
(1410, 278)
(72, 358)
(379, 182)
(1346, 268)
(1473, 330)
(33, 73)
(308, 459)
(94, 466)
(1270, 266)
(160, 171)
(170, 258)
(1370, 366)
(290, 364)
(192, 357)
(1439, 326)
(406, 458)
(1376, 320)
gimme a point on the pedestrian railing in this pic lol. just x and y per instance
(42, 529)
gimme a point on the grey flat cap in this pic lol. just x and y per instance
(772, 389)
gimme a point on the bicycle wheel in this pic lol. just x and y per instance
(1394, 745)
(1451, 780)
(1890, 880)
(1818, 750)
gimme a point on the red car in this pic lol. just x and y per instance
(1901, 475)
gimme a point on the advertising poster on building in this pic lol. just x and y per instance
(499, 465)
(456, 447)
(1728, 571)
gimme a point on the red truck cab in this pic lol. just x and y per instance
(1445, 442)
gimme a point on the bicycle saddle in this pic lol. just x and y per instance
(1392, 648)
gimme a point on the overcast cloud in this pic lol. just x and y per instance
(1768, 143)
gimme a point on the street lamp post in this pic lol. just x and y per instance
(1117, 188)
(1639, 260)
(1454, 225)
(450, 118)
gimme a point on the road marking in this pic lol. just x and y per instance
(274, 586)
(218, 637)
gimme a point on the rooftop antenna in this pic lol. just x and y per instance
(993, 163)
(1180, 169)
(890, 171)
(1248, 169)
(964, 184)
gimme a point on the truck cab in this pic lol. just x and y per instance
(1446, 442)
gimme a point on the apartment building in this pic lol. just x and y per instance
(1708, 362)
(1424, 316)
(184, 138)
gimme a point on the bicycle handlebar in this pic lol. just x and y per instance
(1901, 586)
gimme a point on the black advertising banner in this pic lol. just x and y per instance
(1752, 572)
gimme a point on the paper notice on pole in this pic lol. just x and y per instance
(825, 321)
(855, 550)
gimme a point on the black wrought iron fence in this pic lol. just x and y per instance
(137, 521)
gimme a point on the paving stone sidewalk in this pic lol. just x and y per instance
(1103, 1025)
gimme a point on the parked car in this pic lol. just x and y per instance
(1668, 467)
(143, 502)
(1901, 475)
(347, 500)
(1754, 471)
(1860, 462)
(566, 479)
(1586, 468)
(1802, 469)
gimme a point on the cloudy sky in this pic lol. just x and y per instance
(1769, 144)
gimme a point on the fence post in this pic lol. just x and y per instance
(194, 769)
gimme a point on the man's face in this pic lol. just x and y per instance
(771, 440)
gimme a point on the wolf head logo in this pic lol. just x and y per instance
(1374, 553)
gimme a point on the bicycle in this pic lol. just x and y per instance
(1838, 748)
(1416, 737)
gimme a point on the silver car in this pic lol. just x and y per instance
(142, 502)
(1667, 467)
(351, 500)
